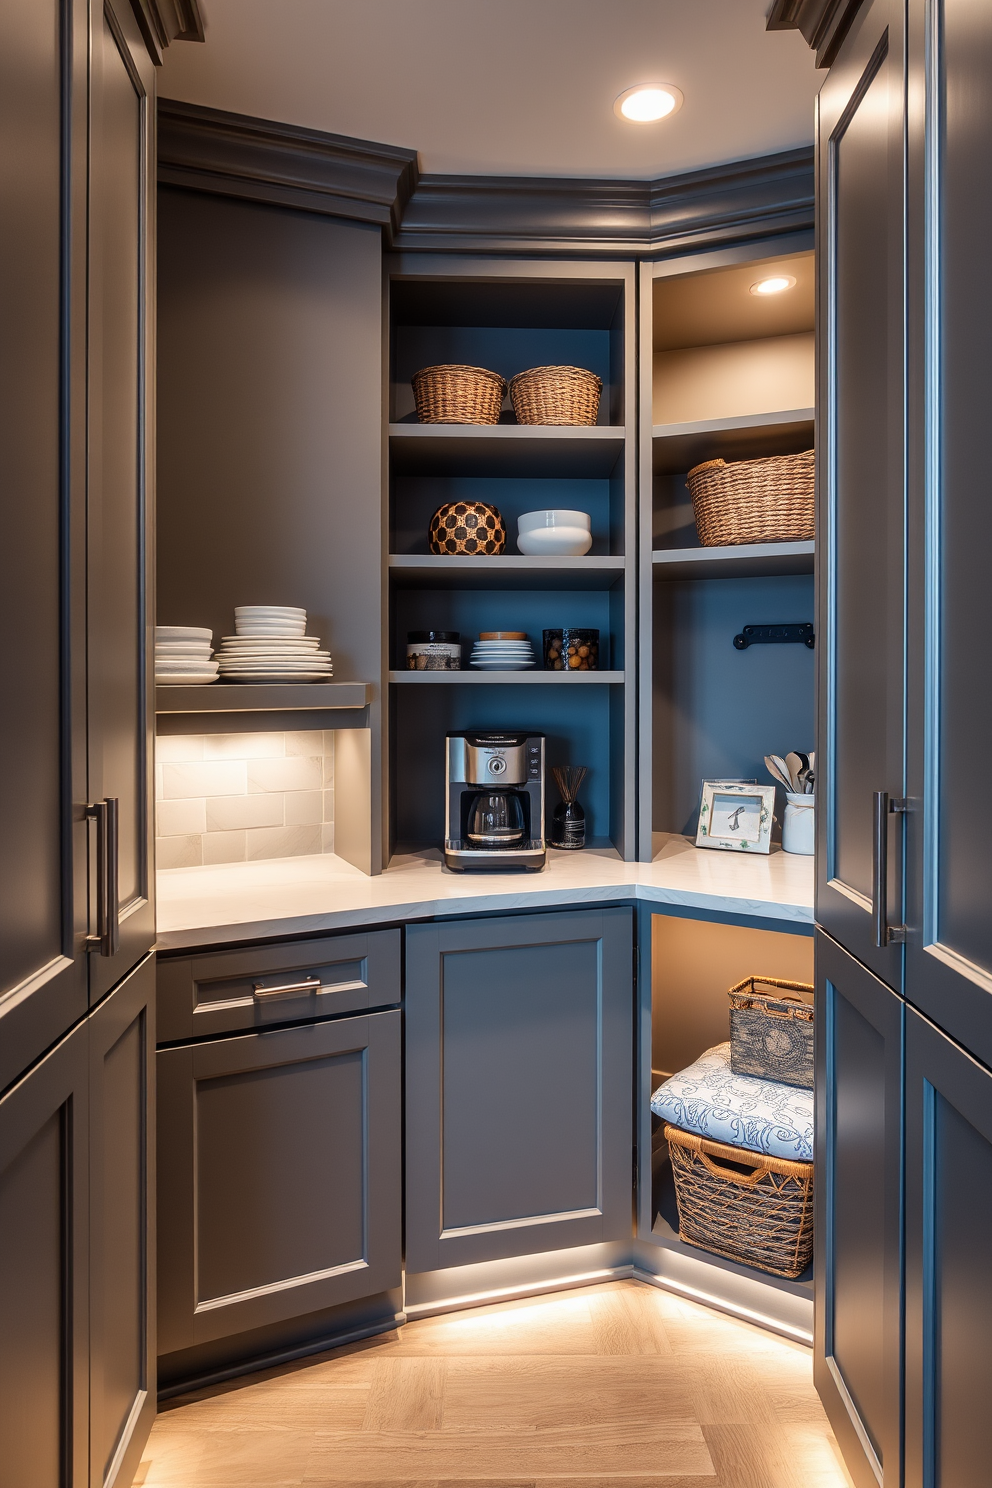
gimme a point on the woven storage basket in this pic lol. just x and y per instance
(556, 395)
(763, 1218)
(753, 501)
(458, 395)
(771, 1037)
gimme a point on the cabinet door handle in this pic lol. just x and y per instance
(107, 939)
(289, 989)
(882, 808)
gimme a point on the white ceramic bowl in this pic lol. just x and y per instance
(183, 633)
(285, 612)
(554, 533)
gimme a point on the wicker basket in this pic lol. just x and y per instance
(772, 1037)
(458, 395)
(761, 1218)
(556, 395)
(753, 501)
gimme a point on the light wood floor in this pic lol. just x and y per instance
(617, 1384)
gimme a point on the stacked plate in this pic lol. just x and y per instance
(183, 656)
(502, 651)
(271, 645)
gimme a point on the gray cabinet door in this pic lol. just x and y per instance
(948, 1274)
(42, 539)
(518, 1086)
(122, 1217)
(279, 1176)
(122, 173)
(860, 478)
(858, 1343)
(43, 1259)
(949, 952)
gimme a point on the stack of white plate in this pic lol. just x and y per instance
(183, 655)
(271, 645)
(502, 656)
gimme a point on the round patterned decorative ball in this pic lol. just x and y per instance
(467, 527)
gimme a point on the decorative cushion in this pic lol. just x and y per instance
(741, 1110)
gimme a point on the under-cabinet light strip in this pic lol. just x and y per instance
(736, 1309)
(495, 1293)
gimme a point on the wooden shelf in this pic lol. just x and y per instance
(506, 450)
(743, 561)
(509, 571)
(678, 447)
(538, 677)
(238, 697)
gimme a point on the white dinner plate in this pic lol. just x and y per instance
(502, 666)
(279, 677)
(185, 679)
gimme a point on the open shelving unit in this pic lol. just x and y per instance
(508, 315)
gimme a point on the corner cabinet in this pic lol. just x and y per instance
(518, 1086)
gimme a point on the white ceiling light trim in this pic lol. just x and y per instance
(774, 285)
(648, 103)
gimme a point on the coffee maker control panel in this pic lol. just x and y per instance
(535, 759)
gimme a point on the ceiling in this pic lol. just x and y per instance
(523, 87)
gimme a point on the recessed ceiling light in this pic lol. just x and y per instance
(648, 102)
(774, 285)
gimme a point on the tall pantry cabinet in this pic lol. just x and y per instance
(904, 875)
(76, 903)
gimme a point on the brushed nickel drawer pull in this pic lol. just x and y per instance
(290, 989)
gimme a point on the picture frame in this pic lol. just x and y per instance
(736, 816)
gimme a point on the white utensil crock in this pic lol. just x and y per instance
(797, 827)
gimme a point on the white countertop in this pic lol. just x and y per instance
(308, 895)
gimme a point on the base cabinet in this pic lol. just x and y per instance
(279, 1176)
(948, 1271)
(858, 1343)
(518, 1082)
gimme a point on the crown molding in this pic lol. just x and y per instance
(720, 205)
(164, 21)
(206, 149)
(823, 23)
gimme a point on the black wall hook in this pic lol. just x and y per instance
(753, 635)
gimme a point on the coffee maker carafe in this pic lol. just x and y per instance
(494, 811)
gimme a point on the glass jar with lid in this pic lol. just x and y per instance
(433, 651)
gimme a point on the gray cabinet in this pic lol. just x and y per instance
(279, 1175)
(859, 1052)
(518, 1085)
(948, 1277)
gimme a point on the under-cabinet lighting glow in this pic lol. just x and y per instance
(494, 1294)
(648, 102)
(774, 285)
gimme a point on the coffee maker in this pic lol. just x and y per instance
(494, 808)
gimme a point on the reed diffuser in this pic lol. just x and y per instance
(568, 823)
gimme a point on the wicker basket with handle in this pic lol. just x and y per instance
(758, 1210)
(750, 501)
(772, 1037)
(454, 394)
(556, 395)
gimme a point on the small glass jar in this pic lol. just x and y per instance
(433, 651)
(568, 826)
(571, 650)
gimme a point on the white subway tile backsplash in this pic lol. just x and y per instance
(226, 798)
(303, 808)
(297, 773)
(180, 818)
(225, 813)
(205, 778)
(282, 842)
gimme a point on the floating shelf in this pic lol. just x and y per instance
(743, 561)
(678, 447)
(510, 571)
(538, 677)
(238, 697)
(506, 449)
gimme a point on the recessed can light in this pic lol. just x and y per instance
(648, 102)
(774, 285)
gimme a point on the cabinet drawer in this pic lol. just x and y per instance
(224, 991)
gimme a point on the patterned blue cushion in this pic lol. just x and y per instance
(761, 1115)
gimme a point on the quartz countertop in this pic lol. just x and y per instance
(309, 895)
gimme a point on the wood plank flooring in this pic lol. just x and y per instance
(620, 1385)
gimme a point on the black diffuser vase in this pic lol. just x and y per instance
(568, 822)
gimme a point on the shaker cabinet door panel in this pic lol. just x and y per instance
(861, 475)
(43, 1259)
(279, 1176)
(122, 1323)
(859, 1051)
(518, 1077)
(948, 1275)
